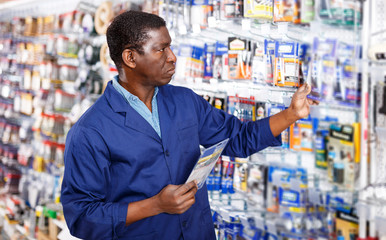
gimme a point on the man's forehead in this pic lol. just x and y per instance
(158, 32)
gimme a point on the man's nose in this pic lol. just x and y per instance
(171, 56)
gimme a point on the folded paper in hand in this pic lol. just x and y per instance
(206, 163)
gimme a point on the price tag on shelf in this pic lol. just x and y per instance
(257, 157)
(246, 24)
(243, 92)
(291, 158)
(282, 27)
(182, 29)
(315, 27)
(196, 28)
(273, 157)
(259, 222)
(265, 29)
(212, 23)
(314, 196)
(276, 97)
(198, 80)
(189, 80)
(271, 227)
(213, 81)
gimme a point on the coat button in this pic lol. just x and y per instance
(167, 153)
(184, 224)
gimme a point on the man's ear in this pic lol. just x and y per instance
(128, 58)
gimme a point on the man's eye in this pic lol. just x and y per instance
(162, 49)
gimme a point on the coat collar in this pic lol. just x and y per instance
(115, 99)
(133, 119)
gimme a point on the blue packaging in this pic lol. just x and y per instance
(221, 49)
(209, 53)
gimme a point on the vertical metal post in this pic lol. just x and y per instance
(363, 178)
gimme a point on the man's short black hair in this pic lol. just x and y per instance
(129, 30)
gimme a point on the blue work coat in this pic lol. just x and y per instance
(114, 157)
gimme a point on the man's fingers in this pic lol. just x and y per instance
(186, 205)
(312, 102)
(302, 87)
(303, 91)
(190, 194)
(308, 88)
(186, 188)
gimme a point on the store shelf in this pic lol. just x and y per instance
(381, 133)
(341, 106)
(381, 223)
(23, 232)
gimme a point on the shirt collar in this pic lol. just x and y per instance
(129, 97)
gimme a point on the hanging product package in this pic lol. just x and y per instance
(231, 9)
(341, 13)
(323, 69)
(190, 62)
(209, 51)
(87, 16)
(66, 21)
(201, 10)
(276, 175)
(63, 100)
(321, 129)
(227, 175)
(220, 63)
(240, 174)
(257, 185)
(307, 11)
(103, 15)
(304, 62)
(269, 55)
(273, 109)
(259, 64)
(62, 45)
(343, 155)
(346, 87)
(239, 58)
(260, 110)
(219, 102)
(301, 135)
(258, 9)
(31, 26)
(286, 64)
(292, 202)
(284, 11)
(331, 11)
(297, 11)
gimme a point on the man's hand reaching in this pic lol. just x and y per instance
(300, 104)
(298, 109)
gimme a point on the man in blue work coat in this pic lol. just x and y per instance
(128, 157)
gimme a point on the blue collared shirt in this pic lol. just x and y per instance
(151, 117)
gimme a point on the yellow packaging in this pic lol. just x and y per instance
(283, 67)
(286, 64)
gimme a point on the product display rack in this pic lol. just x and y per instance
(285, 31)
(196, 23)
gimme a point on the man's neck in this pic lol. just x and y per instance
(145, 94)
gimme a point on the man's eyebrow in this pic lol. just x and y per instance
(165, 44)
